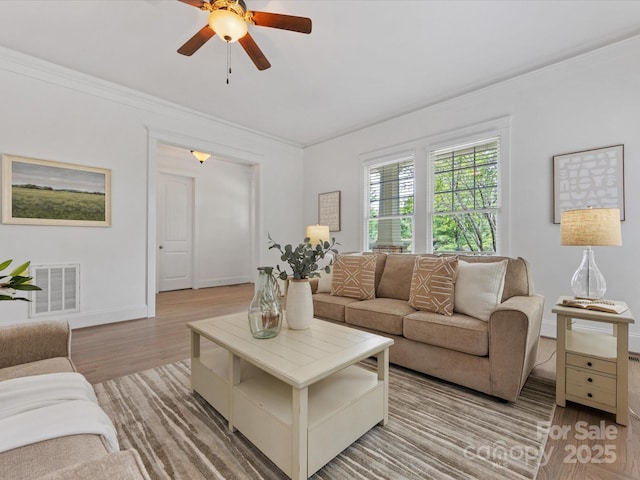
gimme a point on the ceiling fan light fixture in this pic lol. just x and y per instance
(230, 26)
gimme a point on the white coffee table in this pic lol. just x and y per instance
(299, 397)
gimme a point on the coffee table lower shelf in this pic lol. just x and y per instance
(341, 408)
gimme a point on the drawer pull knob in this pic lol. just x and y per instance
(589, 364)
(589, 379)
(589, 395)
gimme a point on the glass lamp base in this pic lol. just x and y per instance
(588, 281)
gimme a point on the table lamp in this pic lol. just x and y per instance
(590, 227)
(318, 234)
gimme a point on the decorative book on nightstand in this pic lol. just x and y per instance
(599, 304)
(592, 367)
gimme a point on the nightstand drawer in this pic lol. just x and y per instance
(589, 395)
(590, 380)
(590, 363)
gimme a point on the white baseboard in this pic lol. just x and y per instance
(90, 319)
(549, 330)
(219, 282)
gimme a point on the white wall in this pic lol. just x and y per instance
(587, 102)
(52, 113)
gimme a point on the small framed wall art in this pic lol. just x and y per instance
(590, 178)
(329, 210)
(42, 192)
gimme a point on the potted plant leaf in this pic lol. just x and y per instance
(16, 280)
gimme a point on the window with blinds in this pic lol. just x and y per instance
(466, 197)
(390, 210)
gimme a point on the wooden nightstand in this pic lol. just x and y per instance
(592, 368)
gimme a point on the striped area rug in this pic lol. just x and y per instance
(436, 430)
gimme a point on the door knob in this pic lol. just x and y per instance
(160, 247)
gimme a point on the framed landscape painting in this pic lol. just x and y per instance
(42, 192)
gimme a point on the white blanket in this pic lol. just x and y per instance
(42, 407)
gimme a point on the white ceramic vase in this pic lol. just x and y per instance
(299, 307)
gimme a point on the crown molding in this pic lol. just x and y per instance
(51, 73)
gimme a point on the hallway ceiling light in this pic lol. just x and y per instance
(201, 156)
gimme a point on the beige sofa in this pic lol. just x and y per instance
(494, 356)
(44, 347)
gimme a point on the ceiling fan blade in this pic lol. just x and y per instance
(284, 22)
(254, 52)
(194, 3)
(195, 42)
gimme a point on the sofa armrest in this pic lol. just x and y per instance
(29, 342)
(514, 333)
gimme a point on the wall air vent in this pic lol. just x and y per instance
(60, 290)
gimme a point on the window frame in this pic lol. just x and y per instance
(500, 129)
(419, 148)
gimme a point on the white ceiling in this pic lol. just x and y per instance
(365, 60)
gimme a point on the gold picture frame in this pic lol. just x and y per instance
(329, 210)
(44, 192)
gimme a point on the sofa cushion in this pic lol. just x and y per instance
(396, 277)
(381, 261)
(381, 314)
(330, 306)
(517, 281)
(354, 276)
(459, 332)
(432, 284)
(479, 288)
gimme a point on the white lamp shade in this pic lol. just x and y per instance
(317, 234)
(590, 227)
(228, 25)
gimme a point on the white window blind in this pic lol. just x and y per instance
(389, 218)
(465, 197)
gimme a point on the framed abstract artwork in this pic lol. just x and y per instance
(42, 192)
(590, 178)
(329, 210)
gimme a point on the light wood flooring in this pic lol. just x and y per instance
(110, 351)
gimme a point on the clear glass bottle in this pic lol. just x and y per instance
(265, 311)
(588, 281)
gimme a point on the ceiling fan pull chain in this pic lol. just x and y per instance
(228, 62)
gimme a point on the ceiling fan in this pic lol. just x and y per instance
(230, 19)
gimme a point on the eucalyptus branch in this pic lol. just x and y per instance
(303, 259)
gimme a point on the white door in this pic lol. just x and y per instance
(175, 232)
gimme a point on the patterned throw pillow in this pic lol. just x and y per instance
(354, 276)
(433, 284)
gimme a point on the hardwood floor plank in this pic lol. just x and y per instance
(110, 351)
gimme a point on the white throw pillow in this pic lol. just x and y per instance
(479, 288)
(324, 283)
